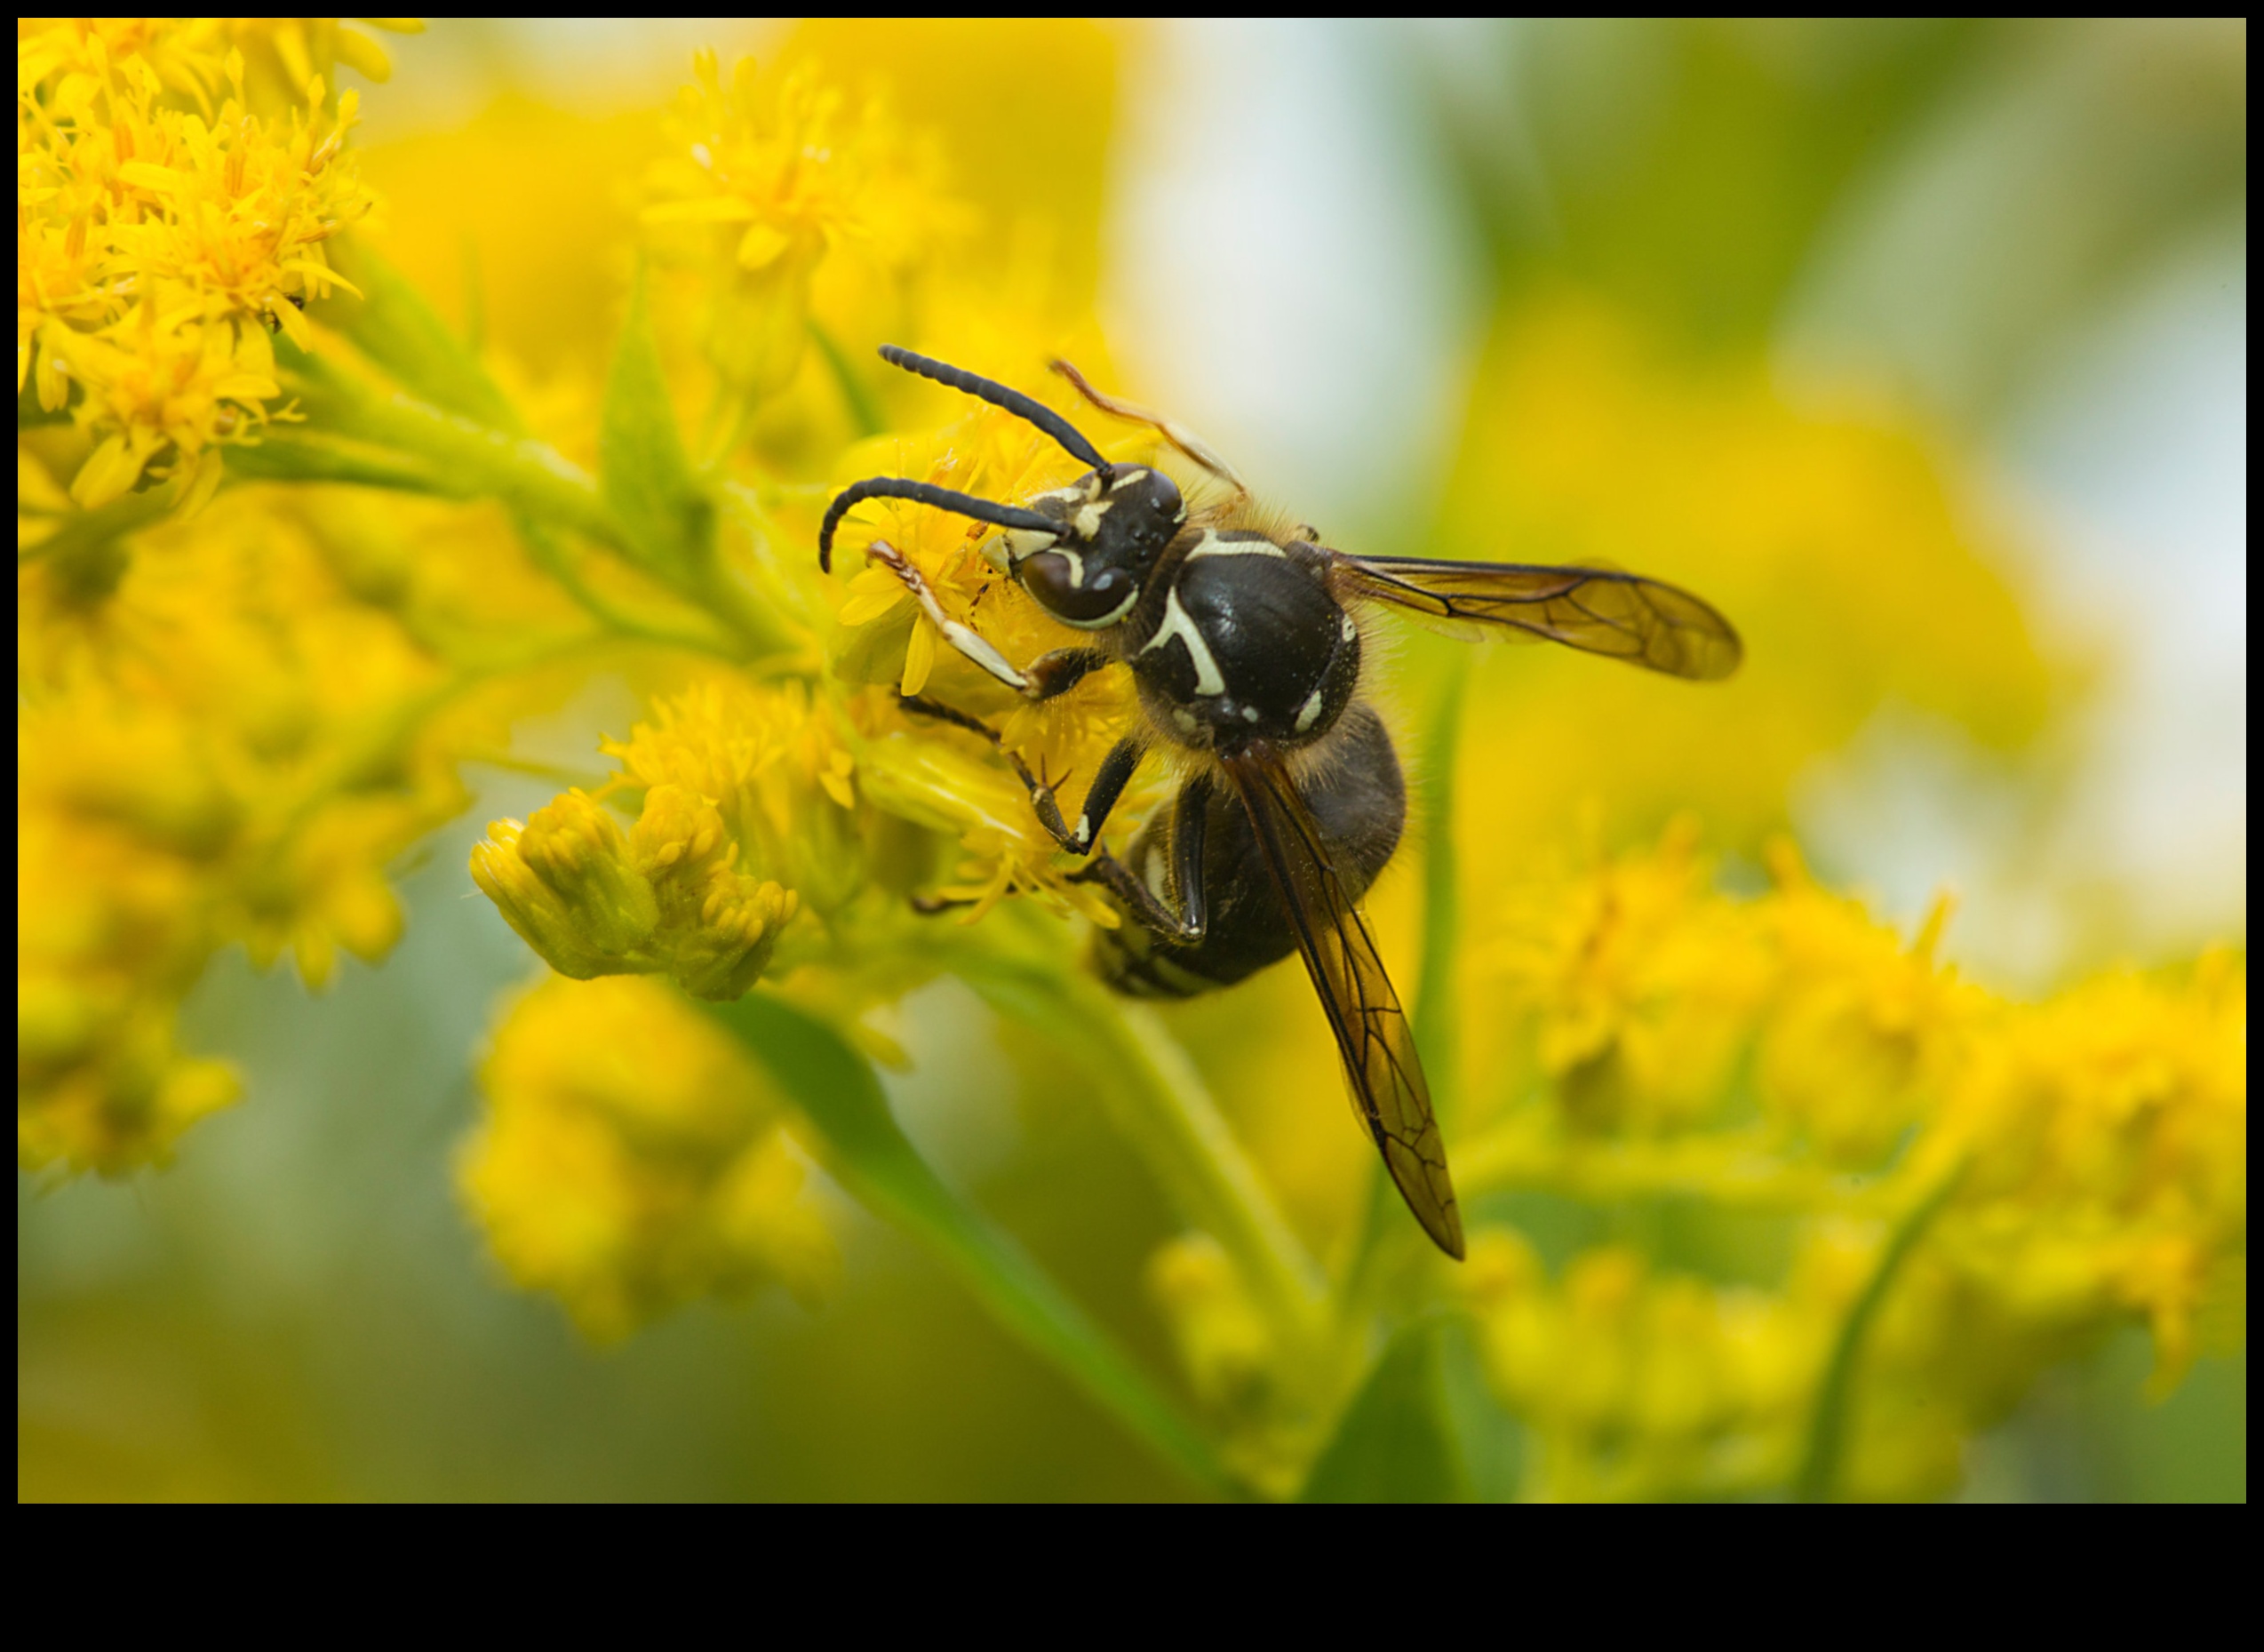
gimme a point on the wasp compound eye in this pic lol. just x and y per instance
(1075, 594)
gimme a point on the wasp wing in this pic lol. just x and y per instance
(1389, 1092)
(1601, 610)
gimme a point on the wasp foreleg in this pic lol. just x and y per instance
(967, 642)
(1061, 671)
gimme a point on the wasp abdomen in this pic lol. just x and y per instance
(1358, 801)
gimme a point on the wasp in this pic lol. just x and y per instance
(1245, 643)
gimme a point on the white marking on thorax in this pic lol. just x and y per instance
(1214, 544)
(1209, 681)
(1309, 713)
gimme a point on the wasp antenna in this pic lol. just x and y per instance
(922, 493)
(998, 396)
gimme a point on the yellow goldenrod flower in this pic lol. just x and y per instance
(1640, 1385)
(766, 178)
(213, 746)
(160, 238)
(2091, 1151)
(631, 1160)
(1234, 1363)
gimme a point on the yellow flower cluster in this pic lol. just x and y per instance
(1670, 1042)
(165, 228)
(630, 1161)
(1250, 1387)
(1642, 1386)
(766, 176)
(883, 639)
(730, 777)
(218, 740)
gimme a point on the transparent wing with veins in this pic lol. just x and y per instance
(1388, 1091)
(1598, 611)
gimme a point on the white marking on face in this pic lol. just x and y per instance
(1089, 519)
(1208, 681)
(1023, 543)
(1309, 713)
(1215, 545)
(1076, 566)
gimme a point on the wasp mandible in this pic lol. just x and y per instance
(1245, 645)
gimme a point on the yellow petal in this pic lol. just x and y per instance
(293, 323)
(322, 273)
(871, 604)
(361, 53)
(147, 175)
(109, 471)
(919, 659)
(762, 246)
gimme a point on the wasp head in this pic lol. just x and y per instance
(1087, 571)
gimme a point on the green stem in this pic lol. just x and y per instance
(86, 531)
(467, 458)
(1827, 1447)
(869, 1152)
(548, 555)
(1157, 1100)
(533, 481)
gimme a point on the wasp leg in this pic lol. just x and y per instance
(955, 634)
(1100, 797)
(1109, 782)
(1189, 820)
(1185, 439)
(1061, 671)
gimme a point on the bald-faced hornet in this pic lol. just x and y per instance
(1245, 645)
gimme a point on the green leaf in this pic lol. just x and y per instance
(1396, 1443)
(393, 325)
(836, 1089)
(647, 478)
(1817, 1480)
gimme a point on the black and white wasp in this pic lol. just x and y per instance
(1245, 645)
